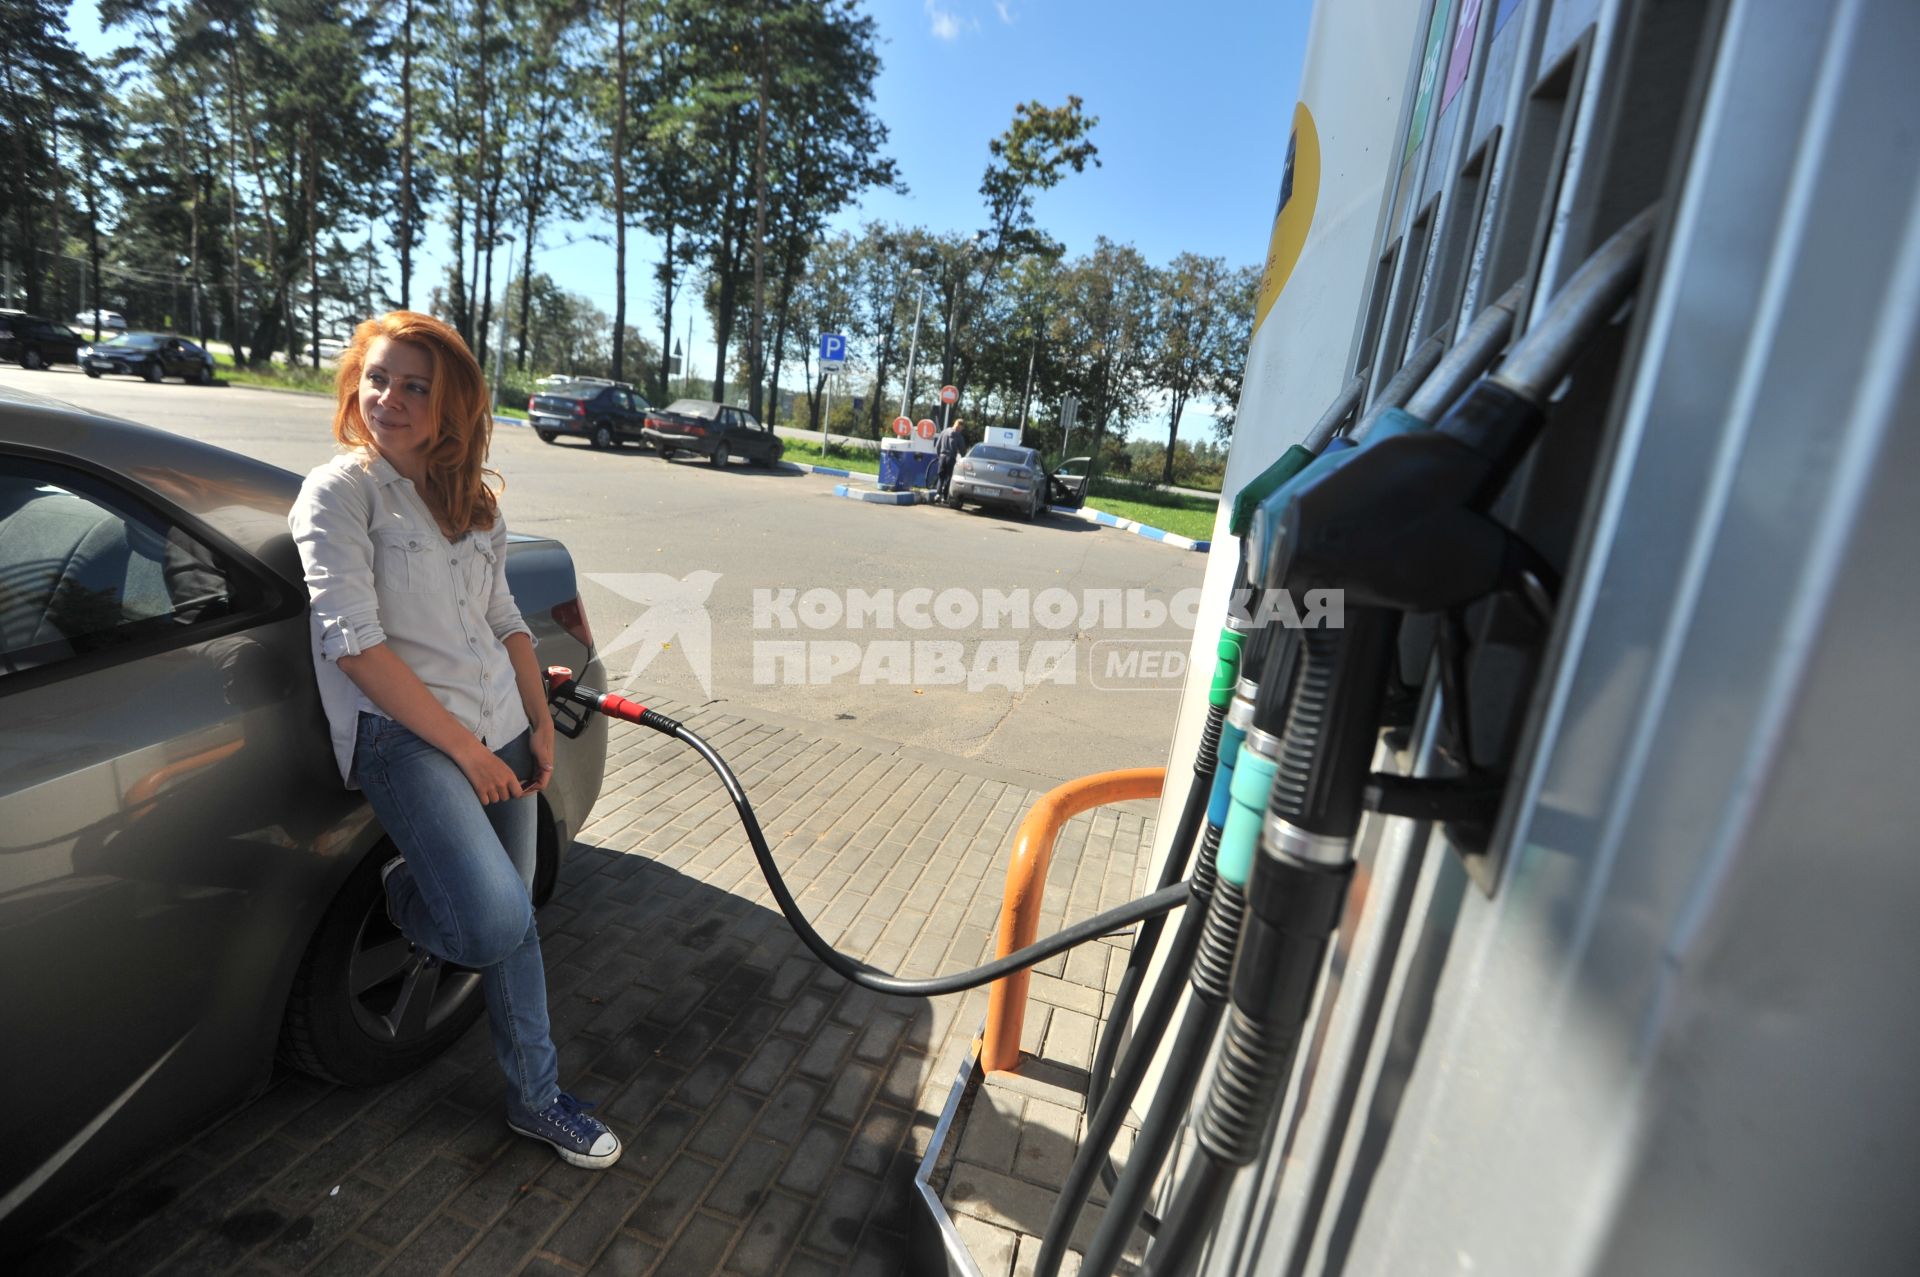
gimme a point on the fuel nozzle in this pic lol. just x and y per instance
(1401, 522)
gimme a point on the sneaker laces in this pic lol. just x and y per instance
(569, 1114)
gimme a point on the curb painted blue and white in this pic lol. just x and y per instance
(859, 475)
(1106, 520)
(876, 497)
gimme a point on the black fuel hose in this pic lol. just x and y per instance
(1179, 851)
(1101, 924)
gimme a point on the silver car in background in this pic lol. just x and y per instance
(186, 889)
(993, 474)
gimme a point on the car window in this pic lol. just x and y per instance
(703, 408)
(84, 568)
(1006, 456)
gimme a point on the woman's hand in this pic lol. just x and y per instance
(542, 743)
(492, 780)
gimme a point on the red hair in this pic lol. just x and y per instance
(457, 404)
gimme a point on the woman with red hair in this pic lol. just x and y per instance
(431, 687)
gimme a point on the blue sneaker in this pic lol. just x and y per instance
(578, 1138)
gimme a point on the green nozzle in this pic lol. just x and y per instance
(1240, 838)
(1291, 462)
(1226, 667)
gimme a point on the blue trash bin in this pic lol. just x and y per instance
(901, 467)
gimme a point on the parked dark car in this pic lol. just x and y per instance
(605, 413)
(149, 355)
(33, 342)
(994, 474)
(186, 888)
(712, 430)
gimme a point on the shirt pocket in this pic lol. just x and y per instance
(479, 570)
(407, 561)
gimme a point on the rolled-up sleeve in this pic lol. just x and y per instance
(329, 521)
(503, 615)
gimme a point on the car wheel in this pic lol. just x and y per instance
(94, 373)
(367, 1006)
(546, 436)
(718, 457)
(602, 438)
(32, 360)
(201, 375)
(1033, 506)
(152, 372)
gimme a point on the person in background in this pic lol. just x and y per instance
(948, 447)
(431, 688)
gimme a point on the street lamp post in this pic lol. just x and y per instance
(913, 346)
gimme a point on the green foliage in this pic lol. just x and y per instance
(269, 159)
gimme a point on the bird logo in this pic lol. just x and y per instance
(676, 613)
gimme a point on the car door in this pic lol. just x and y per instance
(759, 439)
(636, 410)
(632, 412)
(157, 787)
(50, 340)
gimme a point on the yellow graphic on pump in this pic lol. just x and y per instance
(1299, 191)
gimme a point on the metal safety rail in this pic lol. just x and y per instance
(1026, 887)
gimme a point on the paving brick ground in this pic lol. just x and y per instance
(773, 1114)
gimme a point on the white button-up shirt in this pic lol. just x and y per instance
(379, 571)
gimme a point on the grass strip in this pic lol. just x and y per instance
(803, 452)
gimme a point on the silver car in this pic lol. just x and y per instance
(186, 889)
(993, 474)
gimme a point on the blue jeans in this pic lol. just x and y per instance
(462, 895)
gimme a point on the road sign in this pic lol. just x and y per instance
(949, 394)
(833, 350)
(903, 426)
(926, 428)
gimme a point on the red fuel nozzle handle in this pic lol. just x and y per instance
(561, 685)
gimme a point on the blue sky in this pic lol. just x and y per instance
(1194, 105)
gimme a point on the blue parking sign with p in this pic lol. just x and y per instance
(833, 349)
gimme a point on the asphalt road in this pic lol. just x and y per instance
(642, 529)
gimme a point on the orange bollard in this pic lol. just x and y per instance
(1026, 887)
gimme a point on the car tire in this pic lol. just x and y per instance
(546, 436)
(718, 457)
(602, 438)
(366, 1006)
(201, 376)
(32, 360)
(94, 373)
(1033, 507)
(152, 373)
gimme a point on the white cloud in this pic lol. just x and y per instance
(1005, 11)
(947, 25)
